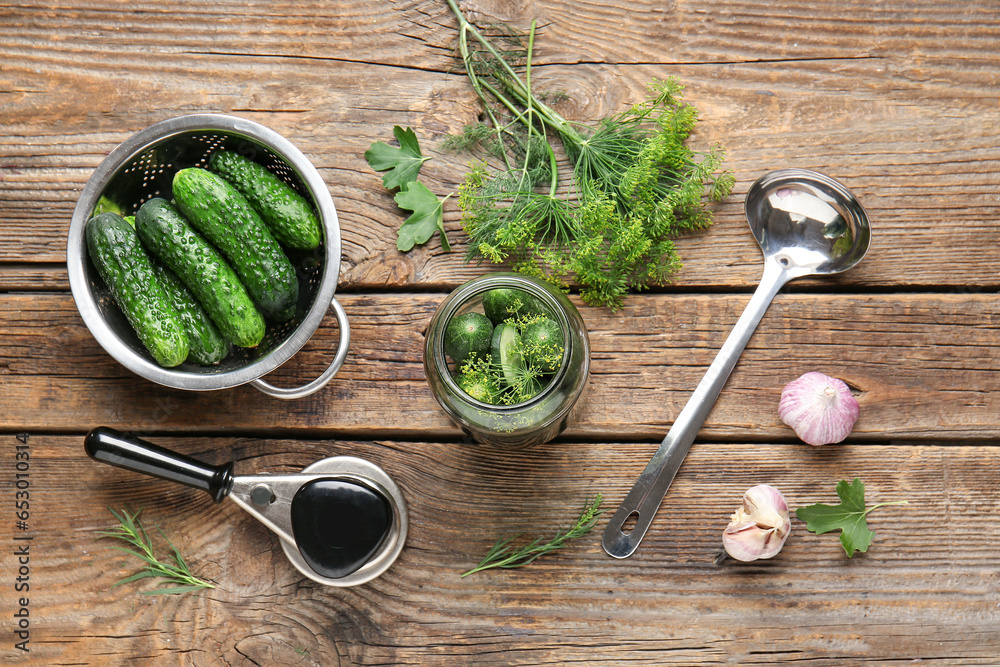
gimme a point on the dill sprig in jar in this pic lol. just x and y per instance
(507, 357)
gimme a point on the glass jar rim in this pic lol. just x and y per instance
(477, 286)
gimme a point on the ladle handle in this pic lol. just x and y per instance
(648, 491)
(126, 451)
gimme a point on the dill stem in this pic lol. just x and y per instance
(477, 85)
(518, 114)
(521, 90)
(514, 83)
(529, 100)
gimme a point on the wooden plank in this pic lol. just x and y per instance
(922, 160)
(26, 276)
(422, 32)
(926, 590)
(922, 365)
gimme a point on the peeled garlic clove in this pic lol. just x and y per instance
(820, 408)
(760, 527)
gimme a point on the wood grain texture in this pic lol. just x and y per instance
(897, 99)
(923, 367)
(918, 594)
(908, 125)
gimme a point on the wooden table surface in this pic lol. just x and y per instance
(897, 99)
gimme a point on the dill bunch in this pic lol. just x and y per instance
(635, 184)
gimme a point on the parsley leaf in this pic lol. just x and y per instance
(428, 216)
(849, 516)
(400, 164)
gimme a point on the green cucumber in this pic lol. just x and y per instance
(505, 347)
(207, 345)
(287, 213)
(467, 336)
(223, 215)
(168, 236)
(543, 346)
(504, 303)
(128, 273)
(106, 205)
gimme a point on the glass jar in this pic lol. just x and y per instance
(530, 422)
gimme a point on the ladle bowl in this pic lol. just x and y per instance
(806, 224)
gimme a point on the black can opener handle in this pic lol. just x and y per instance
(115, 448)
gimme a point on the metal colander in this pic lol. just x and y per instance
(142, 168)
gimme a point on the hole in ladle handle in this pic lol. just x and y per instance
(113, 447)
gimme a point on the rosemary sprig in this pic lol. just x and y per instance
(133, 532)
(505, 556)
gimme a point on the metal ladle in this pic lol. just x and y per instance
(806, 224)
(342, 521)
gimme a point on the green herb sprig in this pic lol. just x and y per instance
(487, 379)
(503, 555)
(635, 185)
(132, 531)
(402, 169)
(850, 516)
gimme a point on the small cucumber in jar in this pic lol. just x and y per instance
(468, 337)
(543, 344)
(505, 303)
(126, 269)
(207, 346)
(505, 348)
(288, 214)
(215, 285)
(218, 210)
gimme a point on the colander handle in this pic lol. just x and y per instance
(322, 380)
